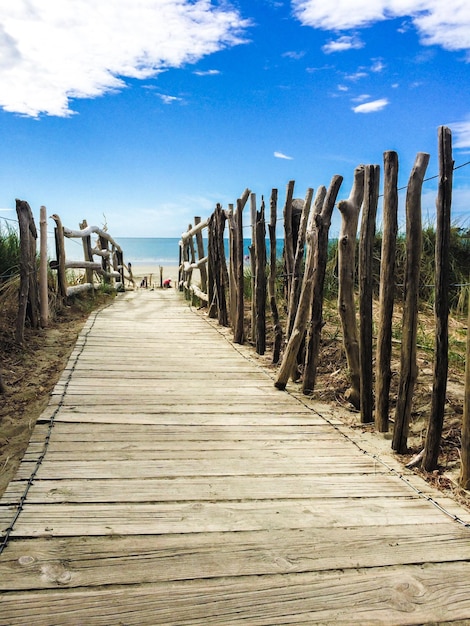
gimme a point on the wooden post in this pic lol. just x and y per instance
(252, 252)
(120, 268)
(288, 238)
(232, 283)
(464, 479)
(296, 280)
(104, 245)
(320, 243)
(366, 251)
(383, 373)
(60, 253)
(260, 280)
(43, 283)
(272, 278)
(408, 367)
(349, 210)
(211, 268)
(289, 360)
(28, 303)
(239, 332)
(87, 252)
(441, 302)
(218, 305)
(201, 255)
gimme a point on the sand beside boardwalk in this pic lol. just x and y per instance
(152, 273)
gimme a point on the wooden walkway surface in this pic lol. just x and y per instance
(178, 486)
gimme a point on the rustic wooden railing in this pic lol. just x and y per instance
(306, 227)
(110, 267)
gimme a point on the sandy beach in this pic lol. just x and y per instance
(152, 274)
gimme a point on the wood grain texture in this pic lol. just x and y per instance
(179, 487)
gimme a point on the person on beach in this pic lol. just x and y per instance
(167, 283)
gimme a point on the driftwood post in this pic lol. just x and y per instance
(252, 253)
(201, 255)
(43, 283)
(349, 210)
(260, 280)
(441, 302)
(217, 263)
(272, 277)
(28, 302)
(408, 367)
(320, 243)
(211, 269)
(289, 360)
(296, 282)
(105, 264)
(288, 238)
(383, 373)
(464, 479)
(232, 283)
(366, 251)
(87, 252)
(237, 260)
(60, 255)
(239, 333)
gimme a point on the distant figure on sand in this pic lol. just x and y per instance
(144, 282)
(167, 283)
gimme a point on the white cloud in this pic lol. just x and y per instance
(372, 106)
(52, 52)
(169, 99)
(291, 54)
(356, 76)
(461, 134)
(207, 72)
(446, 24)
(342, 44)
(378, 66)
(361, 98)
(280, 155)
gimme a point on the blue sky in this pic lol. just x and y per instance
(146, 113)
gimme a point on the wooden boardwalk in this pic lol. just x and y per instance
(178, 486)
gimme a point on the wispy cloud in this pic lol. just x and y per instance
(445, 24)
(342, 44)
(291, 54)
(52, 52)
(281, 155)
(356, 76)
(372, 106)
(206, 72)
(461, 132)
(377, 66)
(169, 99)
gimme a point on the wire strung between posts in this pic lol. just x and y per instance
(376, 458)
(21, 503)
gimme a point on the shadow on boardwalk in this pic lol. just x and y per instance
(168, 482)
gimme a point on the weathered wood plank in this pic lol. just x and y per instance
(365, 597)
(207, 467)
(53, 520)
(296, 486)
(88, 562)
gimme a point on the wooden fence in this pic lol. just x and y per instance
(296, 346)
(35, 286)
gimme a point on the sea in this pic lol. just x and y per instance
(146, 250)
